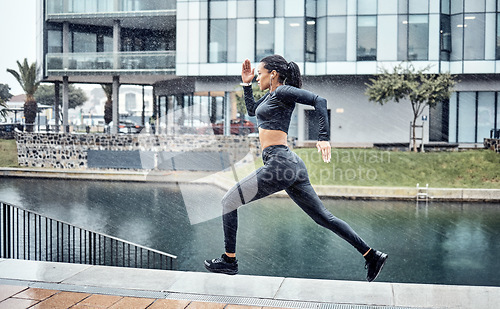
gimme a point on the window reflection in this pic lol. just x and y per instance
(218, 42)
(413, 37)
(474, 31)
(367, 38)
(367, 7)
(265, 38)
(294, 39)
(311, 39)
(337, 38)
(498, 36)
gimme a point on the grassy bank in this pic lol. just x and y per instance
(8, 153)
(368, 167)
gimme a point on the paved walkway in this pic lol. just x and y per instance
(33, 284)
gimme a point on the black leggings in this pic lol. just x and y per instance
(282, 170)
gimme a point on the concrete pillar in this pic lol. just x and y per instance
(65, 104)
(170, 109)
(56, 104)
(116, 44)
(227, 114)
(116, 104)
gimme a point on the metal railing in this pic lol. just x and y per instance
(27, 235)
(153, 62)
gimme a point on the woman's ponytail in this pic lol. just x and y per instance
(293, 75)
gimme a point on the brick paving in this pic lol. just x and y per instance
(22, 297)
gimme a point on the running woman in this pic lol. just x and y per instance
(283, 169)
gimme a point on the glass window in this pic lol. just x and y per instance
(311, 39)
(474, 31)
(452, 135)
(418, 7)
(265, 8)
(485, 115)
(445, 30)
(54, 41)
(337, 38)
(218, 40)
(403, 6)
(218, 9)
(321, 8)
(55, 6)
(403, 37)
(367, 38)
(418, 37)
(265, 38)
(321, 39)
(445, 6)
(231, 37)
(475, 6)
(279, 8)
(84, 42)
(311, 8)
(467, 117)
(337, 7)
(457, 6)
(498, 110)
(294, 39)
(456, 37)
(367, 7)
(105, 6)
(498, 36)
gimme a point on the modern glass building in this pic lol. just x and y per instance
(190, 52)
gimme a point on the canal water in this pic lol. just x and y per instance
(437, 243)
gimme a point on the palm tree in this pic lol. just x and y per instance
(27, 78)
(4, 96)
(3, 109)
(108, 107)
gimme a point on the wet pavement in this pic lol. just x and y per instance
(35, 284)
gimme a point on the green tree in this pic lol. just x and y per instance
(406, 82)
(5, 95)
(27, 77)
(45, 94)
(108, 106)
(240, 100)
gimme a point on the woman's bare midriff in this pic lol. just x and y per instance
(272, 137)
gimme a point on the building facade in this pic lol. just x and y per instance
(190, 52)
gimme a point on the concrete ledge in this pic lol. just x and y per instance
(223, 181)
(251, 289)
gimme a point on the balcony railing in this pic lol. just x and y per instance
(107, 6)
(27, 235)
(106, 63)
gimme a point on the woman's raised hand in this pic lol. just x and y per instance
(247, 73)
(325, 149)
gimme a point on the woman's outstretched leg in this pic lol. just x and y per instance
(263, 182)
(303, 194)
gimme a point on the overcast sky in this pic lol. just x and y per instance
(17, 37)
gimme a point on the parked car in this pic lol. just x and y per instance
(238, 127)
(126, 127)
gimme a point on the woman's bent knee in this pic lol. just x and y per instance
(231, 201)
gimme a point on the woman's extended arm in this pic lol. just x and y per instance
(291, 95)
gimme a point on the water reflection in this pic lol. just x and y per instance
(443, 243)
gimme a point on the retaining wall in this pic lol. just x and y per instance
(132, 151)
